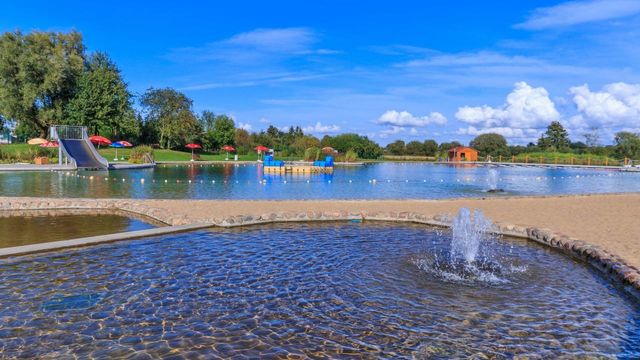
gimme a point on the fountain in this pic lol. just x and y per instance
(492, 181)
(466, 259)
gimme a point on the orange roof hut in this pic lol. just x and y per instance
(462, 153)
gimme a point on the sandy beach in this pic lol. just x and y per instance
(611, 221)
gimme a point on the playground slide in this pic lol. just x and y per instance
(84, 154)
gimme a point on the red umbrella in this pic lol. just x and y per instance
(228, 148)
(193, 146)
(99, 140)
(261, 148)
(50, 144)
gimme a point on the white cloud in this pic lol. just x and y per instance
(405, 118)
(259, 45)
(616, 105)
(507, 132)
(274, 40)
(526, 108)
(244, 126)
(323, 129)
(579, 12)
(264, 120)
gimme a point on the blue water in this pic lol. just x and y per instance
(327, 291)
(372, 181)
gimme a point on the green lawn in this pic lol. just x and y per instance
(174, 155)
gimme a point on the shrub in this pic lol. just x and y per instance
(142, 154)
(312, 154)
(350, 156)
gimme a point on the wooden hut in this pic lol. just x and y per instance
(462, 153)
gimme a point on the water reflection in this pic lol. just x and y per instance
(19, 228)
(373, 181)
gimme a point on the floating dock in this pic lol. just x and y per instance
(298, 169)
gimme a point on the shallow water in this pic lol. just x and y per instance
(331, 290)
(372, 181)
(33, 227)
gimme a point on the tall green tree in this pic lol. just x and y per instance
(219, 130)
(169, 120)
(430, 147)
(361, 145)
(397, 147)
(490, 144)
(415, 148)
(39, 73)
(555, 138)
(627, 145)
(103, 102)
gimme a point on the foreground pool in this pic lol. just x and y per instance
(372, 181)
(32, 227)
(329, 290)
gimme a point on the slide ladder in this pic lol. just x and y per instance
(75, 145)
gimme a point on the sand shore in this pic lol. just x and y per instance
(610, 221)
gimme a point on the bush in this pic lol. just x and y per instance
(350, 156)
(312, 154)
(141, 155)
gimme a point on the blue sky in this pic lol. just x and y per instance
(390, 69)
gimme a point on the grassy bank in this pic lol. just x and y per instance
(12, 153)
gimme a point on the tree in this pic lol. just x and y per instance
(219, 130)
(430, 147)
(444, 147)
(490, 144)
(627, 145)
(592, 138)
(362, 145)
(224, 131)
(556, 137)
(102, 101)
(242, 139)
(39, 73)
(168, 117)
(396, 148)
(305, 142)
(415, 148)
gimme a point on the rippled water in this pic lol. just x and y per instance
(372, 181)
(332, 290)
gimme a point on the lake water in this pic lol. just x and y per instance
(324, 291)
(372, 181)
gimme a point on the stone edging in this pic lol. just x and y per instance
(611, 265)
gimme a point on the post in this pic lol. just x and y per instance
(526, 159)
(59, 153)
(513, 158)
(606, 161)
(589, 160)
(500, 158)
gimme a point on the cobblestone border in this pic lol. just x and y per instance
(610, 265)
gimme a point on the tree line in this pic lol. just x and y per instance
(47, 78)
(554, 139)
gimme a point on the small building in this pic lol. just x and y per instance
(462, 153)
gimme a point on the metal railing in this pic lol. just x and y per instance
(68, 132)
